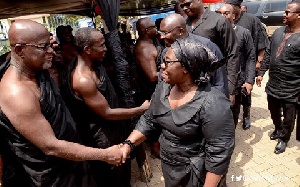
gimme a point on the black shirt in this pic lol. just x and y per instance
(258, 32)
(284, 70)
(219, 30)
(247, 56)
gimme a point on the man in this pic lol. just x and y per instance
(243, 8)
(259, 36)
(173, 27)
(39, 137)
(147, 54)
(282, 59)
(94, 105)
(247, 61)
(215, 27)
(254, 25)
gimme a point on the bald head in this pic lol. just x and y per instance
(143, 23)
(174, 20)
(25, 31)
(227, 11)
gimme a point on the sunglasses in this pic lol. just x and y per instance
(287, 12)
(187, 4)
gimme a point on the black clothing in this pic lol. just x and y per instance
(246, 56)
(284, 79)
(195, 137)
(26, 163)
(219, 78)
(96, 131)
(247, 69)
(257, 30)
(219, 30)
(284, 70)
(284, 127)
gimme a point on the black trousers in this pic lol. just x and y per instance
(286, 126)
(240, 99)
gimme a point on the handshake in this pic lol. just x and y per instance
(118, 154)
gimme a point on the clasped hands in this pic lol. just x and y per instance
(117, 154)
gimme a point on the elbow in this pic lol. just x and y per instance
(50, 150)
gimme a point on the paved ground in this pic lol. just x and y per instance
(253, 163)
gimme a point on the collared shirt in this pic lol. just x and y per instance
(284, 70)
(219, 30)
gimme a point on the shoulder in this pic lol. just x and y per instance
(83, 82)
(17, 96)
(215, 100)
(144, 47)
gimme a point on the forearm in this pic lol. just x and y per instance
(74, 151)
(136, 137)
(123, 113)
(211, 179)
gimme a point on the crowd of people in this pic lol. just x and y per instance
(62, 122)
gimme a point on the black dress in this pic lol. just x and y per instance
(195, 137)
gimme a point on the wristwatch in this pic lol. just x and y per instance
(128, 142)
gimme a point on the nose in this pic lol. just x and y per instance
(163, 66)
(51, 50)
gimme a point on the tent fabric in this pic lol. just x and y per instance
(110, 11)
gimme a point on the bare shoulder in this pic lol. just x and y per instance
(145, 50)
(18, 98)
(83, 83)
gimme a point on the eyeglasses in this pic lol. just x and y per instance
(225, 13)
(164, 33)
(168, 63)
(187, 4)
(44, 46)
(287, 12)
(149, 28)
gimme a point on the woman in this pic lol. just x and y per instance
(194, 119)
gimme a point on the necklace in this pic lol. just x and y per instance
(22, 69)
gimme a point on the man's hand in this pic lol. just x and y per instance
(125, 149)
(258, 81)
(257, 66)
(146, 105)
(232, 99)
(248, 86)
(113, 155)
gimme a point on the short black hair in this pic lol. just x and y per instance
(83, 38)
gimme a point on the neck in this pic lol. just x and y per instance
(146, 38)
(295, 28)
(186, 87)
(22, 69)
(83, 60)
(197, 17)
